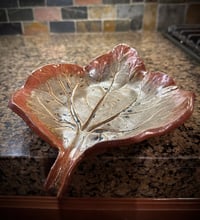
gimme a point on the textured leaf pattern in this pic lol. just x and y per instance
(112, 99)
(80, 110)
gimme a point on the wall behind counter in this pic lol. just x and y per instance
(60, 16)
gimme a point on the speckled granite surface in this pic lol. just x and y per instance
(166, 166)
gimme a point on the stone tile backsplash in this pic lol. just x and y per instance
(60, 16)
(170, 14)
(21, 14)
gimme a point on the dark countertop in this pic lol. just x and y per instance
(166, 166)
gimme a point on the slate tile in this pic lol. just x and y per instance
(193, 14)
(3, 15)
(35, 28)
(88, 26)
(59, 2)
(136, 23)
(109, 25)
(8, 3)
(101, 12)
(74, 12)
(133, 12)
(122, 25)
(10, 28)
(172, 1)
(116, 1)
(116, 25)
(62, 26)
(87, 2)
(19, 14)
(169, 14)
(31, 2)
(130, 11)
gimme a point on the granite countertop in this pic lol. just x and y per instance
(166, 166)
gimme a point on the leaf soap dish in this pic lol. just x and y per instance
(110, 102)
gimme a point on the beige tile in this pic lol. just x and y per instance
(149, 18)
(102, 12)
(87, 2)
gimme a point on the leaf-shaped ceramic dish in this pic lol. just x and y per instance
(110, 102)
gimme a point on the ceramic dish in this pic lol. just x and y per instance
(112, 101)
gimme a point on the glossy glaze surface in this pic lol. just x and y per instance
(177, 150)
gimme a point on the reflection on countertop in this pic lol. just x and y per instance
(166, 166)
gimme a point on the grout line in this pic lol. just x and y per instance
(7, 17)
(22, 26)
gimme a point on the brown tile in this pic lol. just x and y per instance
(149, 19)
(109, 26)
(193, 14)
(117, 25)
(87, 2)
(88, 26)
(31, 28)
(47, 14)
(101, 12)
